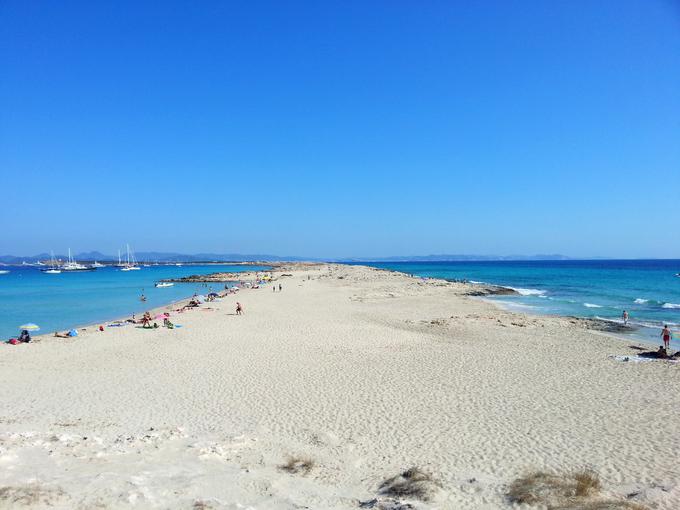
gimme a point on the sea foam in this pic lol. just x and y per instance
(591, 305)
(670, 305)
(528, 292)
(641, 301)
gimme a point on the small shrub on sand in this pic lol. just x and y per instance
(297, 465)
(587, 482)
(412, 483)
(578, 490)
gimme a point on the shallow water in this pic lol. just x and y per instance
(62, 301)
(648, 289)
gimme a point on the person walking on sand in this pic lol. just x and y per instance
(666, 335)
(280, 287)
(625, 318)
(239, 308)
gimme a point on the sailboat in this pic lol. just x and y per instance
(97, 264)
(72, 265)
(131, 264)
(120, 262)
(53, 268)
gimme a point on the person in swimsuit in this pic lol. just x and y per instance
(239, 308)
(625, 318)
(666, 335)
(146, 320)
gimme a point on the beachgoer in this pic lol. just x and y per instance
(662, 352)
(101, 328)
(274, 288)
(25, 336)
(625, 318)
(239, 308)
(68, 334)
(168, 324)
(280, 287)
(146, 320)
(666, 335)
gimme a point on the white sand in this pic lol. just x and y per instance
(366, 372)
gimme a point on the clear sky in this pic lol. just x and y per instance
(347, 128)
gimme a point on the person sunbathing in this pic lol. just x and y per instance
(68, 334)
(168, 324)
(25, 336)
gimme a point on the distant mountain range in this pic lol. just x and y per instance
(154, 256)
(458, 258)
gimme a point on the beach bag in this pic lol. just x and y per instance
(13, 341)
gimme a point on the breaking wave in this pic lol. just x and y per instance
(528, 292)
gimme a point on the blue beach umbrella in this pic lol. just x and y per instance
(30, 327)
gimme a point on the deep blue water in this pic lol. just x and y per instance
(62, 301)
(648, 289)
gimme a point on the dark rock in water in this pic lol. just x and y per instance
(605, 326)
(491, 290)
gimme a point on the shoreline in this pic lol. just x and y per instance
(484, 291)
(601, 324)
(153, 311)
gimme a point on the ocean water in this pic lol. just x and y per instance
(648, 289)
(62, 301)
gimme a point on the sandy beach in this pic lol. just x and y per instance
(356, 373)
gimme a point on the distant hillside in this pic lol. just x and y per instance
(458, 258)
(153, 256)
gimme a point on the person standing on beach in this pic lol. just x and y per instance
(280, 287)
(625, 318)
(239, 308)
(666, 336)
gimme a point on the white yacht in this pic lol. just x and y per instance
(97, 264)
(72, 265)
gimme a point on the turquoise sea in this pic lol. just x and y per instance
(648, 289)
(62, 301)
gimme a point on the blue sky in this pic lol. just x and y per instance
(339, 129)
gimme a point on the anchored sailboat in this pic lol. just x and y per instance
(131, 263)
(53, 267)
